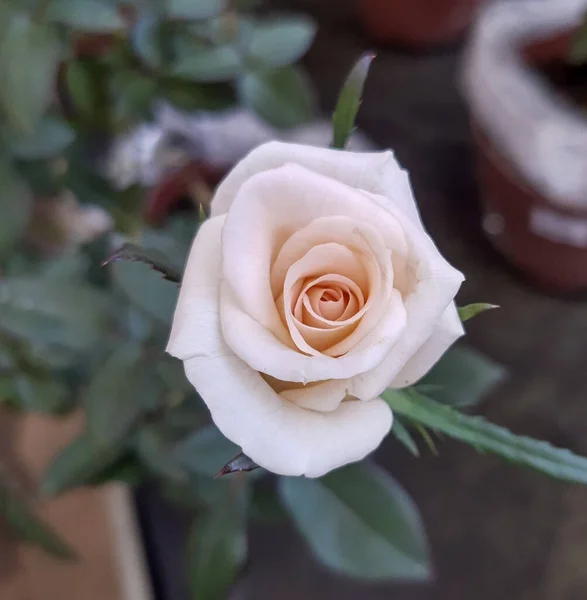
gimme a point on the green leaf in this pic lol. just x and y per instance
(174, 241)
(487, 437)
(28, 526)
(78, 463)
(146, 289)
(146, 41)
(280, 42)
(114, 398)
(189, 96)
(42, 394)
(194, 9)
(54, 312)
(154, 450)
(217, 548)
(15, 208)
(152, 258)
(206, 64)
(462, 377)
(349, 100)
(205, 452)
(131, 95)
(284, 97)
(48, 356)
(471, 310)
(359, 521)
(172, 372)
(29, 58)
(69, 267)
(404, 436)
(86, 15)
(265, 503)
(428, 440)
(50, 137)
(81, 83)
(126, 469)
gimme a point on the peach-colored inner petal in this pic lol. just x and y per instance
(321, 305)
(328, 301)
(335, 292)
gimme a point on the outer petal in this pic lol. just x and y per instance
(375, 172)
(448, 331)
(275, 433)
(278, 435)
(193, 331)
(326, 395)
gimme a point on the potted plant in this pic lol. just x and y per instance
(114, 63)
(417, 25)
(525, 82)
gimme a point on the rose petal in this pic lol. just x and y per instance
(273, 432)
(375, 172)
(322, 396)
(268, 209)
(193, 329)
(317, 313)
(281, 201)
(448, 331)
(276, 434)
(430, 308)
(437, 285)
(263, 352)
(336, 229)
(326, 304)
(344, 265)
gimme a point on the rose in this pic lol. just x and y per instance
(311, 289)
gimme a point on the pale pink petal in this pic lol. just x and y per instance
(430, 308)
(272, 431)
(317, 313)
(375, 172)
(448, 331)
(276, 434)
(193, 330)
(265, 353)
(268, 209)
(317, 335)
(343, 266)
(336, 229)
(323, 396)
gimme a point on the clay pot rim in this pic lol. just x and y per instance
(509, 170)
(512, 102)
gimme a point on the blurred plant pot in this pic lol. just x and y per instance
(98, 523)
(191, 184)
(417, 24)
(530, 137)
(517, 218)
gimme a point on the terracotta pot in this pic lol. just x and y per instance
(417, 24)
(547, 242)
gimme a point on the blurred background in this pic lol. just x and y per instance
(483, 103)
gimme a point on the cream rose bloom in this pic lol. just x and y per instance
(311, 289)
